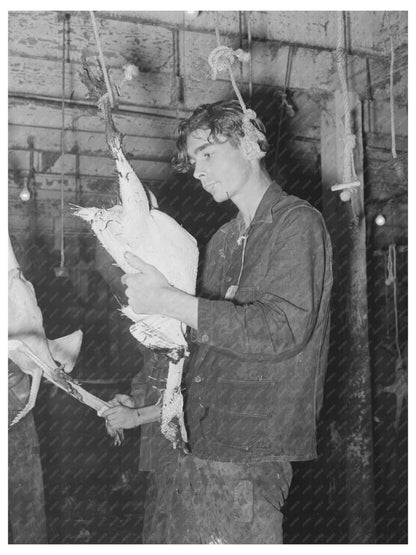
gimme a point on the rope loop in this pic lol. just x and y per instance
(222, 57)
(102, 61)
(339, 54)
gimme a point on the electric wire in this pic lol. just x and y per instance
(62, 240)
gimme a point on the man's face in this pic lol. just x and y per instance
(222, 168)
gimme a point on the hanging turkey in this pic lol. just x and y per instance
(34, 354)
(136, 225)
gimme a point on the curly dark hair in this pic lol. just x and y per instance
(221, 118)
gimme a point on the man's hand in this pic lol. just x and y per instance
(121, 417)
(149, 292)
(145, 290)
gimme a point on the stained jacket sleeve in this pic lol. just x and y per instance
(138, 388)
(278, 324)
(210, 282)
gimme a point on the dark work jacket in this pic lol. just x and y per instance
(255, 379)
(156, 452)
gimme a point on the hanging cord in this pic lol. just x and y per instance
(221, 59)
(392, 280)
(349, 177)
(62, 246)
(349, 141)
(250, 61)
(285, 103)
(390, 269)
(182, 60)
(386, 292)
(392, 114)
(396, 161)
(369, 94)
(399, 386)
(102, 61)
(284, 106)
(240, 36)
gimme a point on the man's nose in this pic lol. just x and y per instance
(199, 170)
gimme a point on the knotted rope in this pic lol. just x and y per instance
(392, 114)
(350, 139)
(102, 61)
(221, 59)
(61, 271)
(398, 166)
(350, 181)
(250, 61)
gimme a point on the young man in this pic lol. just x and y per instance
(260, 328)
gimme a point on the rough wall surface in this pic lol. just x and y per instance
(293, 50)
(164, 45)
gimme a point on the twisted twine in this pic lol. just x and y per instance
(102, 61)
(349, 176)
(62, 203)
(349, 139)
(220, 59)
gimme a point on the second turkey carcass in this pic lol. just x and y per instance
(136, 225)
(35, 355)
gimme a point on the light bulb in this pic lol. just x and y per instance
(380, 220)
(24, 193)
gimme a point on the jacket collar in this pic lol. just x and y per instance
(264, 210)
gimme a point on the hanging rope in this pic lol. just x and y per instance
(349, 140)
(62, 245)
(102, 61)
(396, 160)
(182, 61)
(392, 114)
(285, 103)
(220, 59)
(250, 62)
(392, 280)
(349, 177)
(369, 94)
(240, 36)
(284, 107)
(399, 386)
(386, 292)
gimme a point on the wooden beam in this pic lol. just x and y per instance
(350, 320)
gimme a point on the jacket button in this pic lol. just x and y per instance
(197, 379)
(205, 338)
